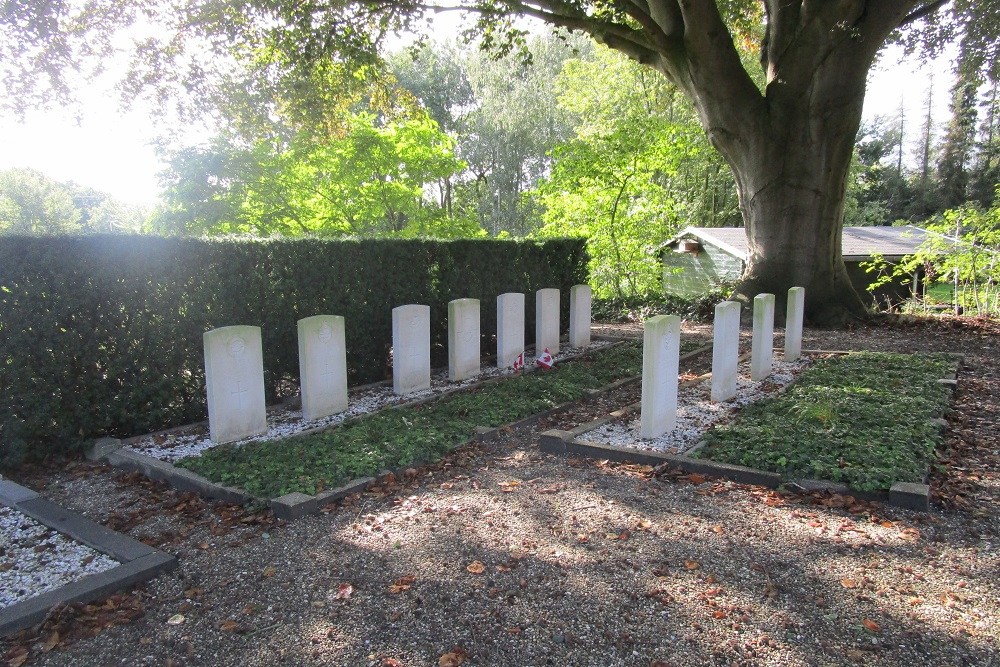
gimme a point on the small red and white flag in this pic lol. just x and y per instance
(519, 362)
(545, 360)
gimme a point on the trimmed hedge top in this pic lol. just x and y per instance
(102, 335)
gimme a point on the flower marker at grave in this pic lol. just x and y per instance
(463, 339)
(234, 382)
(322, 366)
(510, 329)
(411, 348)
(547, 320)
(661, 345)
(725, 350)
(579, 315)
(793, 323)
(762, 348)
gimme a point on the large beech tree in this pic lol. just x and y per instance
(788, 142)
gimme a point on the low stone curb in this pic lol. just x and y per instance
(139, 562)
(907, 495)
(296, 505)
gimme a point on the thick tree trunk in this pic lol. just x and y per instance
(791, 189)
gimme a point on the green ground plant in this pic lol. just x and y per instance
(397, 437)
(861, 419)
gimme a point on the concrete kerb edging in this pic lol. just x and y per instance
(907, 495)
(139, 562)
(296, 505)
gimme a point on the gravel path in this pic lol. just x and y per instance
(501, 555)
(35, 559)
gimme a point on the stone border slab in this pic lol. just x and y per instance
(139, 562)
(907, 495)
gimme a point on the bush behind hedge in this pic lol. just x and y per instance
(102, 335)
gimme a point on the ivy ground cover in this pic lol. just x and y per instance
(397, 437)
(861, 419)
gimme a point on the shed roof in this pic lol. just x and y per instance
(859, 243)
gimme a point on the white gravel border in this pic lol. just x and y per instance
(35, 559)
(696, 413)
(283, 422)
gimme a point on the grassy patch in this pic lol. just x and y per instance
(397, 437)
(861, 419)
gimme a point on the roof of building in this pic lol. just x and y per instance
(859, 243)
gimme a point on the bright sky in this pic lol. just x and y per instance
(111, 150)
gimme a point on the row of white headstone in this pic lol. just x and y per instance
(234, 364)
(661, 356)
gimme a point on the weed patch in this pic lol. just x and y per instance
(861, 419)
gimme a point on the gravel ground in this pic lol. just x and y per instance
(35, 559)
(501, 555)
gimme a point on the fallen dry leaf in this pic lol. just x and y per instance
(229, 625)
(344, 592)
(51, 642)
(871, 625)
(475, 567)
(455, 657)
(692, 564)
(176, 619)
(402, 584)
(848, 583)
(269, 571)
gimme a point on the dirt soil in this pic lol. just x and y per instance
(502, 555)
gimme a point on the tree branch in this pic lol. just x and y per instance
(923, 11)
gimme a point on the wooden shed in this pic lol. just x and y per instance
(699, 258)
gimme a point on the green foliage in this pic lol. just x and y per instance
(368, 182)
(102, 335)
(398, 437)
(861, 419)
(963, 251)
(700, 308)
(639, 168)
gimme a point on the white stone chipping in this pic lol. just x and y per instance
(35, 559)
(696, 412)
(284, 422)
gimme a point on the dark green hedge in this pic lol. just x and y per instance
(102, 335)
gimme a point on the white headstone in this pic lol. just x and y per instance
(463, 339)
(661, 346)
(547, 320)
(725, 350)
(322, 366)
(411, 348)
(510, 328)
(762, 348)
(793, 323)
(234, 381)
(579, 315)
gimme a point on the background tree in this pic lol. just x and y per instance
(789, 143)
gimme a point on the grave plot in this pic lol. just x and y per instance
(51, 557)
(860, 423)
(284, 421)
(298, 474)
